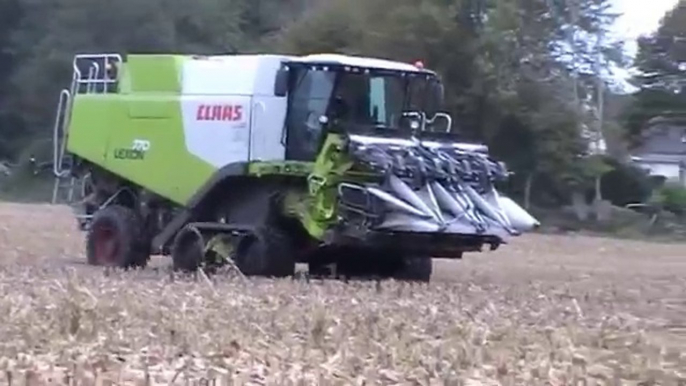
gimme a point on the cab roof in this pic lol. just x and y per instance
(358, 61)
(325, 59)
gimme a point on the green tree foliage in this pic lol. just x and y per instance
(661, 63)
(53, 31)
(672, 198)
(544, 75)
(10, 12)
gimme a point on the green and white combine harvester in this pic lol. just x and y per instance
(264, 161)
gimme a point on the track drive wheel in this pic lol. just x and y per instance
(413, 268)
(115, 239)
(188, 250)
(267, 252)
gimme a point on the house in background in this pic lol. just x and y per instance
(663, 151)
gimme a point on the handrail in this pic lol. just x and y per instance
(424, 120)
(447, 118)
(93, 74)
(100, 76)
(58, 153)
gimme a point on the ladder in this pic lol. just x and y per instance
(99, 80)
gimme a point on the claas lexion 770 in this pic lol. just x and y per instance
(264, 161)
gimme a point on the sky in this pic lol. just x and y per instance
(639, 17)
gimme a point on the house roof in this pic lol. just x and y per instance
(665, 135)
(671, 119)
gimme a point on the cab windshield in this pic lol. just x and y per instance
(353, 101)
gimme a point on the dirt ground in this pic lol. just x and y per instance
(545, 310)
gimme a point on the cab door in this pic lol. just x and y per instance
(307, 103)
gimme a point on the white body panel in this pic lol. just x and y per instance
(217, 128)
(245, 81)
(231, 75)
(268, 117)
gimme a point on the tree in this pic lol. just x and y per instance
(10, 127)
(547, 78)
(53, 31)
(661, 63)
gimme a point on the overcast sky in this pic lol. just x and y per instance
(640, 16)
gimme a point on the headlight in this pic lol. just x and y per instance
(414, 124)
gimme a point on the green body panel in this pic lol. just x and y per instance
(287, 168)
(89, 129)
(148, 107)
(316, 206)
(151, 73)
(331, 168)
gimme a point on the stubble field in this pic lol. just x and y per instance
(546, 310)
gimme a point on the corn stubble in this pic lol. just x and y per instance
(550, 311)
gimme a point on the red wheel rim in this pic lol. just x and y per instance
(105, 245)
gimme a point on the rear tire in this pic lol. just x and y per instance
(115, 239)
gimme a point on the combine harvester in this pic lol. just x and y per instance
(264, 161)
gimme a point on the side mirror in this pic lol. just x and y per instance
(281, 83)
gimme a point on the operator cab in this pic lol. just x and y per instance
(332, 93)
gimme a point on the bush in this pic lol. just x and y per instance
(671, 197)
(626, 184)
